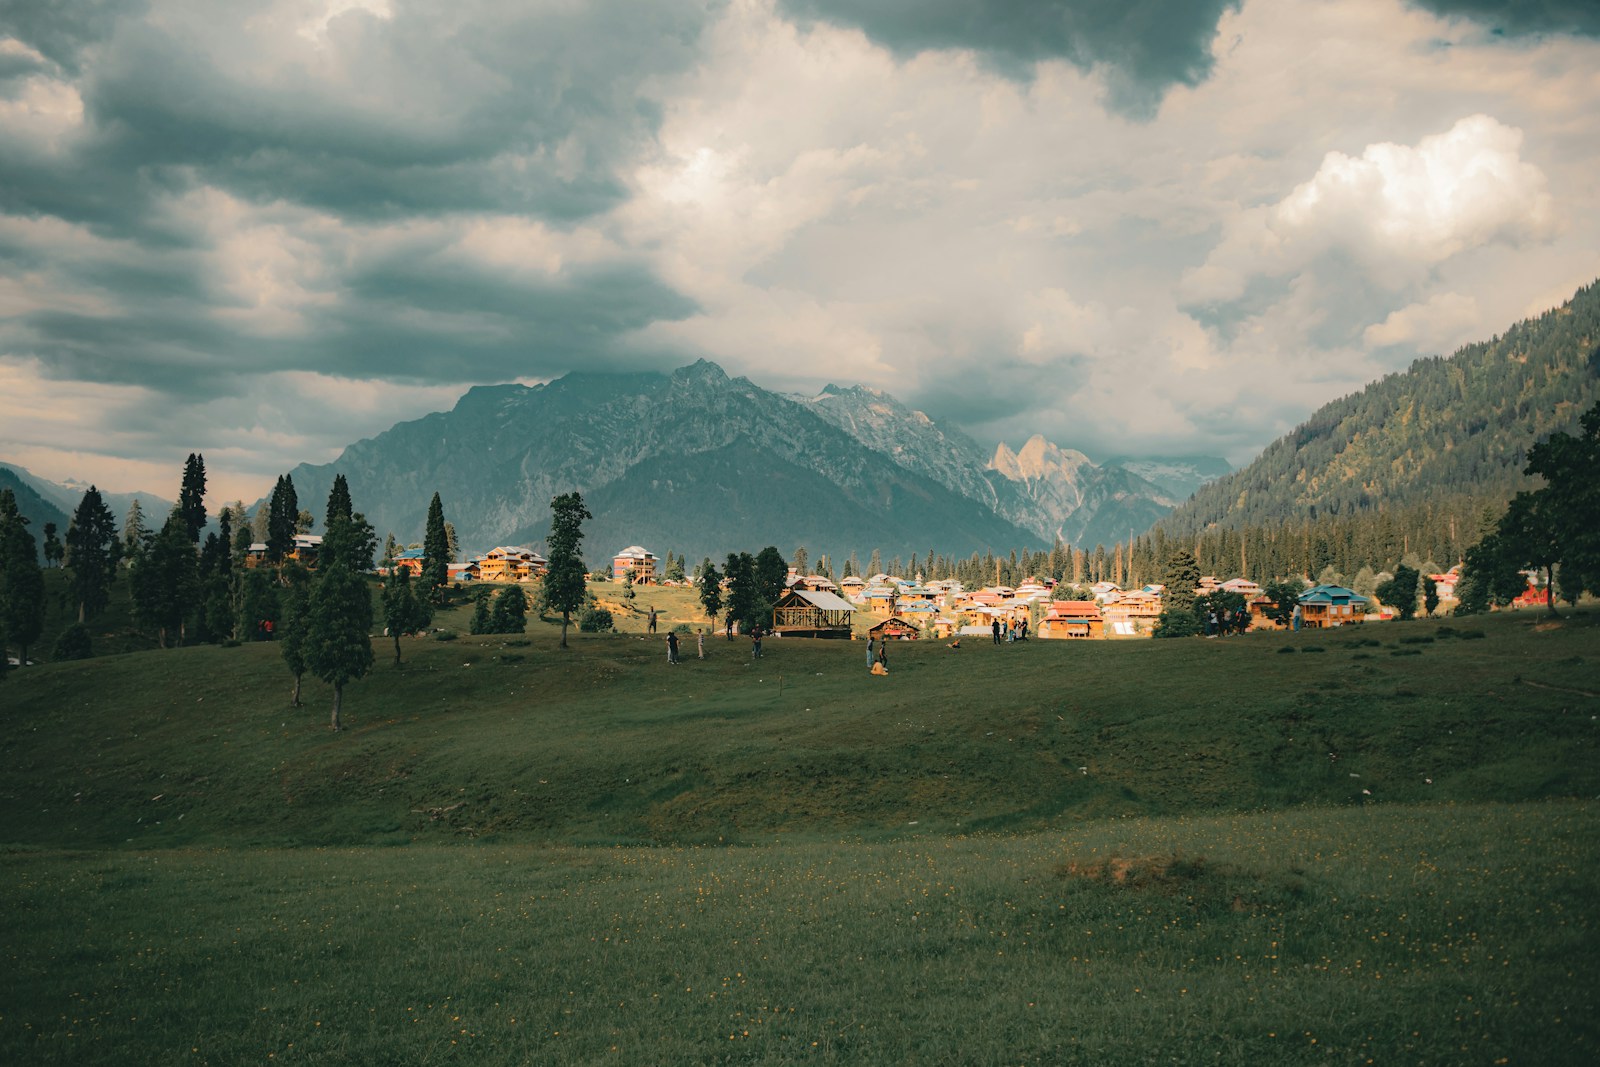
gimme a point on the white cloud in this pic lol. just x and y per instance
(1441, 323)
(1394, 209)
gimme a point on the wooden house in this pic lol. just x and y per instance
(410, 560)
(304, 552)
(812, 613)
(1132, 614)
(881, 599)
(511, 565)
(1075, 619)
(1325, 606)
(895, 628)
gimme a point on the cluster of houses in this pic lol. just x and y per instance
(814, 605)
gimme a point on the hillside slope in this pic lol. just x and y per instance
(1445, 427)
(515, 738)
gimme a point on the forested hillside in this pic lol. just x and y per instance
(1448, 434)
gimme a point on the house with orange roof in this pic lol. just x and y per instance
(1072, 619)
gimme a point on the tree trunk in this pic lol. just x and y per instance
(564, 617)
(396, 649)
(338, 695)
(295, 696)
(161, 636)
(1550, 589)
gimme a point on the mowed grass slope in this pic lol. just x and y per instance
(1178, 852)
(516, 739)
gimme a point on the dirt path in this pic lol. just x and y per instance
(1560, 688)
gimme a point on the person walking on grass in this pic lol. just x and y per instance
(872, 652)
(994, 627)
(700, 642)
(652, 622)
(755, 641)
(672, 647)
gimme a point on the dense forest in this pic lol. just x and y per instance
(1432, 443)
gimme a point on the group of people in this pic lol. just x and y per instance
(1015, 630)
(1232, 622)
(877, 657)
(672, 641)
(756, 634)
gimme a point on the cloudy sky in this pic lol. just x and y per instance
(263, 230)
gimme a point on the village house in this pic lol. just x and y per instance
(895, 628)
(1325, 606)
(409, 561)
(1132, 614)
(812, 613)
(634, 561)
(1243, 586)
(1072, 619)
(881, 599)
(304, 552)
(511, 565)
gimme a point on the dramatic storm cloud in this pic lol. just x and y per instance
(265, 230)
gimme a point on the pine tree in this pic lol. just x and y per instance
(710, 591)
(510, 614)
(453, 544)
(403, 613)
(92, 551)
(283, 516)
(292, 623)
(771, 577)
(133, 529)
(164, 579)
(52, 546)
(338, 647)
(435, 554)
(192, 497)
(480, 623)
(21, 581)
(564, 584)
(742, 604)
(801, 559)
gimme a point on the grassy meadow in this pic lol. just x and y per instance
(1370, 845)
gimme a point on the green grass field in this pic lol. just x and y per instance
(1375, 848)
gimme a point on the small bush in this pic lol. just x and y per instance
(1285, 648)
(1417, 640)
(595, 621)
(1406, 652)
(516, 642)
(1362, 655)
(445, 635)
(1471, 635)
(73, 643)
(683, 628)
(1313, 648)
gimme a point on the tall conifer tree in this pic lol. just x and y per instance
(92, 551)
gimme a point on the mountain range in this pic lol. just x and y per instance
(700, 463)
(42, 502)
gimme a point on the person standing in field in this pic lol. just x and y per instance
(672, 647)
(652, 622)
(755, 641)
(871, 651)
(700, 642)
(994, 627)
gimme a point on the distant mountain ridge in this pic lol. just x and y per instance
(1443, 428)
(693, 451)
(1049, 491)
(697, 462)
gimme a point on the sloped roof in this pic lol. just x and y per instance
(1331, 594)
(819, 598)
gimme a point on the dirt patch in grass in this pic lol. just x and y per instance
(1199, 883)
